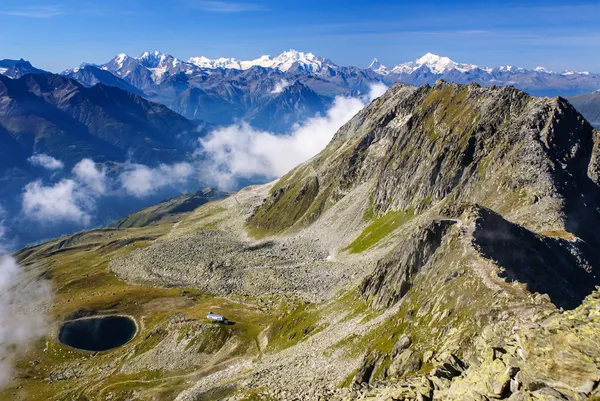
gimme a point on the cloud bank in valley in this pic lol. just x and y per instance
(225, 157)
(140, 180)
(240, 151)
(24, 300)
(73, 199)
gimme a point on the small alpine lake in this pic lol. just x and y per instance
(100, 333)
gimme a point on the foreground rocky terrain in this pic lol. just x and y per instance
(442, 247)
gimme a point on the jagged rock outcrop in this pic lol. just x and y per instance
(393, 276)
(515, 182)
(499, 147)
(433, 150)
(558, 267)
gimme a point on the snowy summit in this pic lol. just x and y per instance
(287, 60)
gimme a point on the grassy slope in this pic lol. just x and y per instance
(379, 229)
(83, 285)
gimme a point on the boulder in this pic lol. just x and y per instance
(403, 343)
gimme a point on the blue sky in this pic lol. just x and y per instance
(60, 34)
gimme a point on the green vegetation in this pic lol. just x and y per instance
(171, 210)
(348, 379)
(483, 165)
(429, 317)
(379, 229)
(285, 206)
(318, 206)
(211, 339)
(369, 213)
(294, 326)
(425, 202)
(78, 269)
(449, 111)
(151, 340)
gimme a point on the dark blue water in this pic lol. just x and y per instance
(97, 334)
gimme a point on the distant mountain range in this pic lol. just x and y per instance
(326, 78)
(538, 82)
(18, 68)
(49, 123)
(48, 113)
(588, 105)
(266, 97)
(152, 109)
(274, 93)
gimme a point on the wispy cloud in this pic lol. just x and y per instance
(226, 6)
(24, 301)
(46, 161)
(33, 12)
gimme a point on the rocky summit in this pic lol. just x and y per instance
(443, 246)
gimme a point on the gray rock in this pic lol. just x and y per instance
(403, 343)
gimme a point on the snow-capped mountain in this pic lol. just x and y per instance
(440, 65)
(223, 62)
(539, 68)
(224, 90)
(18, 68)
(377, 67)
(286, 61)
(539, 81)
(434, 63)
(306, 62)
(154, 65)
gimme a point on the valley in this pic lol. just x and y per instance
(441, 247)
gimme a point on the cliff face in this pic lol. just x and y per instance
(434, 151)
(394, 275)
(522, 156)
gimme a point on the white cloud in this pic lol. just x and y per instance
(140, 180)
(63, 201)
(227, 155)
(280, 87)
(88, 175)
(46, 161)
(23, 305)
(73, 199)
(69, 200)
(240, 151)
